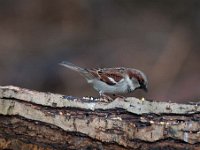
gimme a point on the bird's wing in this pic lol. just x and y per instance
(111, 76)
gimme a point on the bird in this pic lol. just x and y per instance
(119, 80)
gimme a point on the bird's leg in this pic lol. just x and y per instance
(105, 97)
(120, 96)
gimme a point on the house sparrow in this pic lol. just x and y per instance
(112, 80)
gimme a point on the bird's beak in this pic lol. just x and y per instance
(144, 87)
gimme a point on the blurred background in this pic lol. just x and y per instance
(160, 38)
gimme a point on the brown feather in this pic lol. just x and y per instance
(104, 74)
(116, 76)
(105, 79)
(136, 75)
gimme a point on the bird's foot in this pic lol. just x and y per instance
(119, 96)
(105, 98)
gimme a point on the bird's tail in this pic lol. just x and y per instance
(82, 71)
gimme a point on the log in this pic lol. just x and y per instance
(38, 120)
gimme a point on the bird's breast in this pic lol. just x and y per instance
(121, 87)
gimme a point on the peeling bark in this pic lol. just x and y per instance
(36, 120)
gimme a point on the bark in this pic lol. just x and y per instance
(37, 120)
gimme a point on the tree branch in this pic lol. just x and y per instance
(51, 121)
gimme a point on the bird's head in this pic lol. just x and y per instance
(138, 79)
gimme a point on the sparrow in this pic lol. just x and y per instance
(118, 80)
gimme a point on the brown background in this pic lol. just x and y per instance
(159, 37)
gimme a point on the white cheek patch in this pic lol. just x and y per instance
(129, 81)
